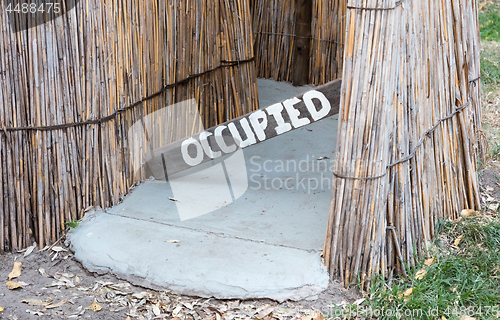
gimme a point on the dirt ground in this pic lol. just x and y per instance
(60, 287)
(490, 185)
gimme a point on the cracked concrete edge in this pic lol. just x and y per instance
(218, 234)
(307, 292)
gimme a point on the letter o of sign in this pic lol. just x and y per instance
(185, 152)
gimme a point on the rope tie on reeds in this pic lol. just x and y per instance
(296, 36)
(420, 142)
(414, 151)
(397, 4)
(473, 81)
(224, 64)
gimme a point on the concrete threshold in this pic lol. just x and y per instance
(264, 244)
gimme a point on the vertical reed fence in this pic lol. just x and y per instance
(409, 122)
(274, 35)
(408, 132)
(80, 71)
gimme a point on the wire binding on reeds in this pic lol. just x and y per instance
(296, 36)
(414, 151)
(397, 4)
(224, 64)
(95, 72)
(275, 36)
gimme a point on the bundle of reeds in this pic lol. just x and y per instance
(94, 63)
(408, 132)
(327, 42)
(274, 26)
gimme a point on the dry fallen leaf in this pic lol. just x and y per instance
(58, 249)
(43, 273)
(457, 240)
(57, 305)
(29, 251)
(466, 213)
(37, 302)
(443, 318)
(306, 317)
(63, 281)
(2, 309)
(56, 284)
(493, 206)
(406, 294)
(429, 262)
(359, 301)
(95, 307)
(177, 310)
(156, 310)
(262, 314)
(16, 271)
(314, 315)
(35, 313)
(139, 295)
(13, 285)
(467, 318)
(319, 316)
(420, 274)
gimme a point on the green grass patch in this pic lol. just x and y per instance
(495, 152)
(73, 224)
(463, 281)
(490, 64)
(489, 20)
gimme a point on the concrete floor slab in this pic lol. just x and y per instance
(264, 244)
(201, 264)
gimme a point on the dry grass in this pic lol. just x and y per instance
(490, 77)
(491, 101)
(491, 120)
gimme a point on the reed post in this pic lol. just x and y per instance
(72, 87)
(302, 48)
(274, 30)
(409, 133)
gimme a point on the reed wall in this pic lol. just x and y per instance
(409, 132)
(409, 122)
(90, 63)
(274, 35)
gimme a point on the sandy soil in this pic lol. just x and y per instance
(490, 186)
